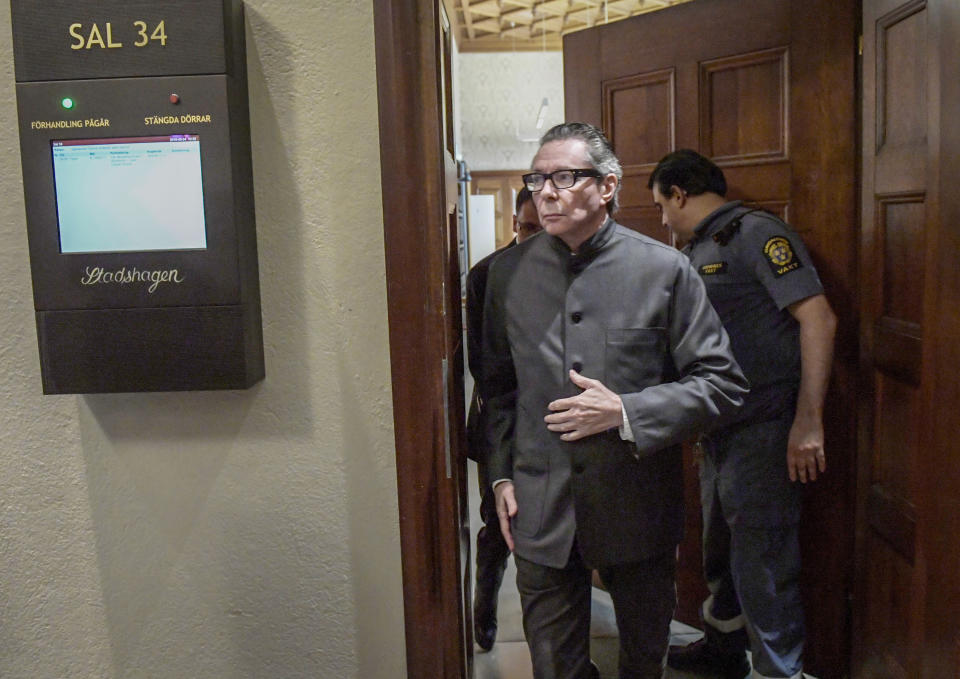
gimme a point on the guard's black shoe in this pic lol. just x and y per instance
(705, 660)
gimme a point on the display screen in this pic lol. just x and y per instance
(129, 194)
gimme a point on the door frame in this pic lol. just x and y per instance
(409, 93)
(411, 134)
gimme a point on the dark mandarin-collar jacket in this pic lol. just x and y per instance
(631, 312)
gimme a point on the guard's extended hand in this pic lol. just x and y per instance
(805, 454)
(594, 410)
(506, 509)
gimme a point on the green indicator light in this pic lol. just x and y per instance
(66, 102)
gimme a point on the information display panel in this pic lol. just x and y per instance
(129, 194)
(74, 275)
(138, 189)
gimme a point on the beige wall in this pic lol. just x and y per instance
(223, 535)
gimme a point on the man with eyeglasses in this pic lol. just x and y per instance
(601, 353)
(492, 550)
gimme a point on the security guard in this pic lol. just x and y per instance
(766, 291)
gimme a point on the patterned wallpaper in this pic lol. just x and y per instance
(499, 96)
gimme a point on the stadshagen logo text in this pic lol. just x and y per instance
(95, 275)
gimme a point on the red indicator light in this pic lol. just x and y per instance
(174, 98)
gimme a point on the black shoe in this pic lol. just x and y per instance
(491, 563)
(485, 636)
(485, 606)
(485, 612)
(704, 659)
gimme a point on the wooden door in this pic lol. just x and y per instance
(455, 416)
(426, 351)
(766, 88)
(908, 559)
(895, 179)
(939, 525)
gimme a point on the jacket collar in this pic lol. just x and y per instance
(589, 249)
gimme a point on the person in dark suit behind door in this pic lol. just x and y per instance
(492, 550)
(601, 353)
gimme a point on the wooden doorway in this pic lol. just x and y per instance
(820, 34)
(766, 88)
(908, 557)
(426, 353)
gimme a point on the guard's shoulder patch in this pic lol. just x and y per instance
(713, 268)
(781, 256)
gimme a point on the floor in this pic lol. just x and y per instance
(509, 657)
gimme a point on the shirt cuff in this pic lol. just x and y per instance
(499, 481)
(626, 433)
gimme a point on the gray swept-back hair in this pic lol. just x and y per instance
(602, 157)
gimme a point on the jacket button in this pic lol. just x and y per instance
(576, 317)
(578, 468)
(577, 365)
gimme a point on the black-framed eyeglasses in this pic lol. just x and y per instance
(562, 179)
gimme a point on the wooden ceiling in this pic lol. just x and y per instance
(514, 25)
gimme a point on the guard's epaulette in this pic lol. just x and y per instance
(723, 235)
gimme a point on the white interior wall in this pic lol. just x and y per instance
(223, 535)
(499, 96)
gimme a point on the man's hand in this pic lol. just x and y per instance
(805, 453)
(595, 410)
(506, 509)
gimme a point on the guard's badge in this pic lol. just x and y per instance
(713, 269)
(780, 256)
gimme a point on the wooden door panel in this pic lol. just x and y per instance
(743, 107)
(426, 354)
(901, 98)
(456, 561)
(767, 88)
(639, 116)
(902, 218)
(896, 405)
(901, 79)
(897, 347)
(891, 585)
(646, 220)
(638, 111)
(898, 276)
(887, 606)
(892, 520)
(766, 186)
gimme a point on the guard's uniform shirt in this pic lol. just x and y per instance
(754, 266)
